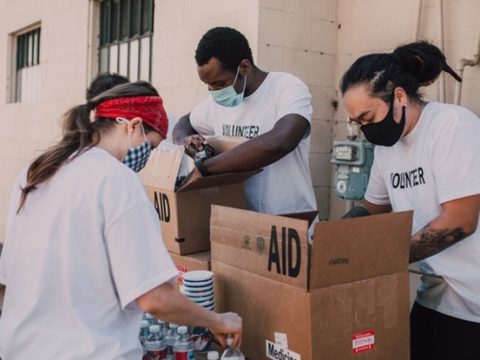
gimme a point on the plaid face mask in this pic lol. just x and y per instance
(136, 157)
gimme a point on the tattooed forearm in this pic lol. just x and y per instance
(431, 241)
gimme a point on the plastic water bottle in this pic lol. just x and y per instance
(144, 332)
(232, 353)
(213, 355)
(183, 348)
(154, 345)
(170, 338)
(150, 318)
(163, 327)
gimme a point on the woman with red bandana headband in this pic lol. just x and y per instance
(83, 256)
(426, 160)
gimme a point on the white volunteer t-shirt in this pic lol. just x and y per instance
(284, 186)
(438, 161)
(84, 247)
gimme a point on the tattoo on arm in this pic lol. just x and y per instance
(432, 241)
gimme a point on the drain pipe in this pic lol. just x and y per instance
(418, 17)
(441, 41)
(461, 66)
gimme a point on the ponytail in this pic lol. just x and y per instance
(79, 134)
(408, 66)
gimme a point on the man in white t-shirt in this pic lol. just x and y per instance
(271, 110)
(426, 160)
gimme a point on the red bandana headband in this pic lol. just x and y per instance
(149, 108)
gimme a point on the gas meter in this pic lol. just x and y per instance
(353, 160)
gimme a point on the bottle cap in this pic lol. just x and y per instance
(145, 323)
(173, 326)
(154, 328)
(182, 330)
(213, 355)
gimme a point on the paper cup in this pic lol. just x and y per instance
(209, 287)
(200, 300)
(198, 284)
(198, 276)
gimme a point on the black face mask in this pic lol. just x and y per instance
(386, 132)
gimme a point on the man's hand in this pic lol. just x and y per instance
(194, 144)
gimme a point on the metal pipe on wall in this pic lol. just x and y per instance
(417, 20)
(462, 63)
(441, 41)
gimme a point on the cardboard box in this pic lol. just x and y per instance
(344, 297)
(184, 212)
(185, 263)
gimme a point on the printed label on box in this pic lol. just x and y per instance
(277, 352)
(363, 341)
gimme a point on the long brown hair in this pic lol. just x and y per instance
(79, 135)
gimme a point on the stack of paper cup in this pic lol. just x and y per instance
(198, 287)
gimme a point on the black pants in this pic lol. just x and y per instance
(435, 336)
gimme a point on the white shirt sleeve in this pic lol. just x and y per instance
(456, 162)
(138, 257)
(199, 118)
(377, 192)
(12, 210)
(295, 98)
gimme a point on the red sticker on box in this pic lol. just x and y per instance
(363, 341)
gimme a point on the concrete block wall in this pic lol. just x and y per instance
(315, 40)
(300, 37)
(179, 25)
(28, 128)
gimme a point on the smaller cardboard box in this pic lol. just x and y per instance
(185, 263)
(346, 296)
(184, 212)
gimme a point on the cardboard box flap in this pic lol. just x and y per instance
(162, 168)
(218, 180)
(272, 246)
(356, 249)
(307, 215)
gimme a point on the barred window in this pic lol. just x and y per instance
(27, 61)
(126, 30)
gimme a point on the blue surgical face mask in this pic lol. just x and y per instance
(136, 157)
(228, 96)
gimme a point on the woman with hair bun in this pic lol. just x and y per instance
(84, 256)
(427, 159)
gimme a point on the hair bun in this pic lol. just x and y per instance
(423, 61)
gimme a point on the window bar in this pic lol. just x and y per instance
(151, 17)
(108, 17)
(150, 58)
(116, 42)
(38, 45)
(32, 48)
(129, 26)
